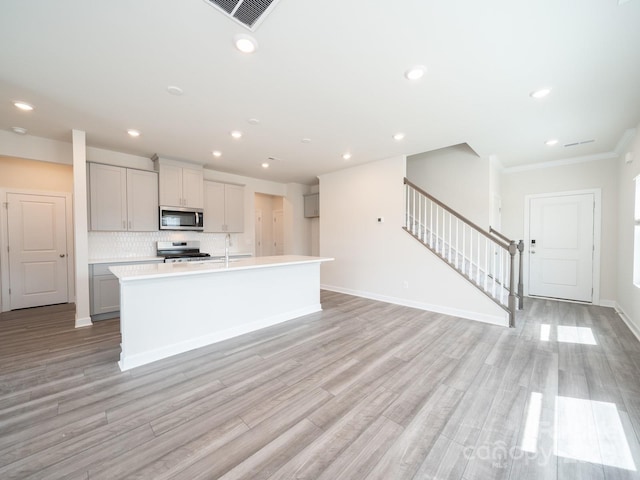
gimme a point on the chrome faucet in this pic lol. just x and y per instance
(227, 241)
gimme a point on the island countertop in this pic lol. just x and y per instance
(170, 308)
(134, 272)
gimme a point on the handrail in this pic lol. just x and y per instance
(500, 235)
(488, 261)
(456, 214)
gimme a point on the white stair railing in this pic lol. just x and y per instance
(483, 259)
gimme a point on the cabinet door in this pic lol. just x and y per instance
(214, 207)
(142, 201)
(312, 205)
(234, 208)
(106, 294)
(108, 197)
(192, 186)
(171, 186)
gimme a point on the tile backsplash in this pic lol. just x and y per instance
(106, 245)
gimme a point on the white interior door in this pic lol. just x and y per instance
(561, 247)
(37, 250)
(278, 232)
(258, 233)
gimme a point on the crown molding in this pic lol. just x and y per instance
(560, 163)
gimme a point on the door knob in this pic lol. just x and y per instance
(62, 255)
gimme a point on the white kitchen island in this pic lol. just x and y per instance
(170, 308)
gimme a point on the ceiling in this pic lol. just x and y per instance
(329, 71)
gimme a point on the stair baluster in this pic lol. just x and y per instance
(487, 261)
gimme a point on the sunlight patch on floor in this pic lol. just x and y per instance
(568, 334)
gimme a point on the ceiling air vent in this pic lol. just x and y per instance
(573, 144)
(249, 13)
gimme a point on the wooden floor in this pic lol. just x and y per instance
(363, 390)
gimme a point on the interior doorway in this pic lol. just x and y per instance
(269, 225)
(563, 245)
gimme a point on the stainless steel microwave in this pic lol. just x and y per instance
(178, 218)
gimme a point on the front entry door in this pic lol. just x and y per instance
(37, 250)
(561, 245)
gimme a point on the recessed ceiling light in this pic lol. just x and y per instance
(543, 92)
(19, 130)
(173, 90)
(236, 134)
(23, 106)
(245, 43)
(254, 121)
(416, 72)
(217, 153)
(265, 164)
(551, 142)
(133, 133)
(346, 156)
(306, 140)
(398, 136)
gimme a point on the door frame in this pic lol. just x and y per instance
(597, 237)
(4, 242)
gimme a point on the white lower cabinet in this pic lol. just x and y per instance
(105, 290)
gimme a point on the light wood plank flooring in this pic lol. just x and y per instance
(362, 390)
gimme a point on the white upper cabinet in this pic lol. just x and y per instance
(223, 207)
(192, 187)
(108, 197)
(181, 185)
(122, 199)
(234, 208)
(170, 178)
(142, 200)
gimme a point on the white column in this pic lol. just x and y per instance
(80, 228)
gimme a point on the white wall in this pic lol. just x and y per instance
(518, 183)
(35, 148)
(298, 229)
(495, 193)
(456, 176)
(378, 260)
(628, 293)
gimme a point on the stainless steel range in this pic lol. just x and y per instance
(188, 251)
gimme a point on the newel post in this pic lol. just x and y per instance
(520, 274)
(512, 284)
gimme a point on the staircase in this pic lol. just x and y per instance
(487, 259)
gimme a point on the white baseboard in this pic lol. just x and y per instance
(635, 329)
(608, 303)
(131, 361)
(83, 322)
(454, 312)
